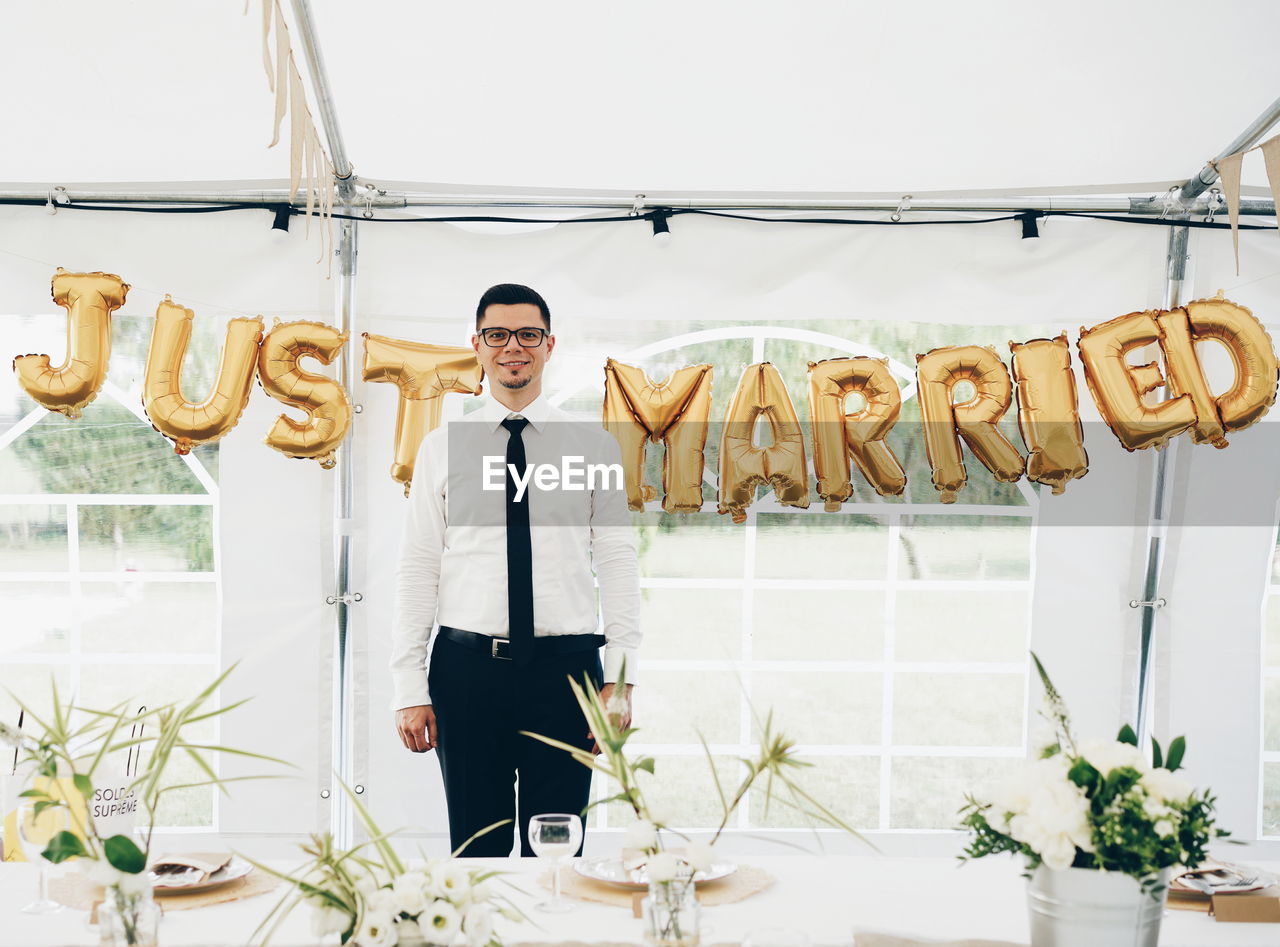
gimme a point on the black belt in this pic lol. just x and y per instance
(497, 647)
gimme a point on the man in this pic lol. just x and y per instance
(508, 576)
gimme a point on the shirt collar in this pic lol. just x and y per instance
(538, 411)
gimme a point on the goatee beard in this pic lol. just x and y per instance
(517, 383)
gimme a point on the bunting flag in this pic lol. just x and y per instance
(1229, 172)
(309, 162)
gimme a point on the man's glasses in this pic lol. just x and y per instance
(530, 337)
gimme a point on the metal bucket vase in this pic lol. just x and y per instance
(1075, 906)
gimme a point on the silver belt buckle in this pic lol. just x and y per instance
(493, 649)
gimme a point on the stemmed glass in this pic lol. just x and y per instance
(35, 834)
(555, 835)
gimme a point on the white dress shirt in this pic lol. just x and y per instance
(456, 574)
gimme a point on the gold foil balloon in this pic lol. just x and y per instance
(937, 373)
(325, 401)
(743, 466)
(838, 436)
(674, 412)
(424, 373)
(1253, 388)
(89, 299)
(1118, 387)
(183, 422)
(1049, 412)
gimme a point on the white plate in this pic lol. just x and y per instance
(1264, 880)
(186, 881)
(608, 868)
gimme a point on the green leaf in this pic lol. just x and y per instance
(1157, 758)
(43, 804)
(85, 785)
(1083, 774)
(33, 794)
(1126, 735)
(62, 846)
(123, 854)
(644, 763)
(1177, 749)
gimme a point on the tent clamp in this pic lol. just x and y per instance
(637, 206)
(346, 598)
(1155, 603)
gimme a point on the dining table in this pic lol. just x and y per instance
(830, 899)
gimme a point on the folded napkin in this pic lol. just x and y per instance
(192, 867)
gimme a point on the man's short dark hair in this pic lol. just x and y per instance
(510, 294)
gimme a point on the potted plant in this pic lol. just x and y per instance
(1099, 825)
(368, 896)
(65, 753)
(671, 911)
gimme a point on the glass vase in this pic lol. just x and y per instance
(128, 918)
(671, 914)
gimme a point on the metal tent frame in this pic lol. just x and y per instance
(359, 198)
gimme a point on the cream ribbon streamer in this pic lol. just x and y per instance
(309, 162)
(1228, 169)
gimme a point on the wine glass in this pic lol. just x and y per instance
(35, 834)
(555, 835)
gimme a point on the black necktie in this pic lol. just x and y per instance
(519, 551)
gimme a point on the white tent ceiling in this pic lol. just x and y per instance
(812, 95)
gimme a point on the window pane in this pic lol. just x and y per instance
(32, 538)
(682, 788)
(1271, 799)
(967, 624)
(929, 791)
(38, 617)
(673, 706)
(692, 624)
(136, 616)
(818, 545)
(1271, 715)
(146, 538)
(32, 684)
(702, 545)
(831, 624)
(849, 786)
(108, 450)
(817, 707)
(1271, 646)
(964, 547)
(958, 709)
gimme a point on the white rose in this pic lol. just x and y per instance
(478, 925)
(329, 920)
(382, 901)
(1054, 820)
(451, 881)
(376, 930)
(660, 814)
(641, 834)
(1164, 828)
(482, 891)
(410, 891)
(662, 867)
(699, 855)
(440, 922)
(1106, 755)
(1166, 786)
(408, 932)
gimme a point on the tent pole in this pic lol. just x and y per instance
(269, 198)
(1158, 523)
(343, 827)
(324, 95)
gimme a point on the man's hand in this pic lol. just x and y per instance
(622, 719)
(417, 728)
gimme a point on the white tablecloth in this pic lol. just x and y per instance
(829, 897)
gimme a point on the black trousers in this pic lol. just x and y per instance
(481, 705)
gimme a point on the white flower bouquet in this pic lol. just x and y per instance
(1100, 805)
(379, 900)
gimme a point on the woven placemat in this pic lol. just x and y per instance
(78, 891)
(743, 883)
